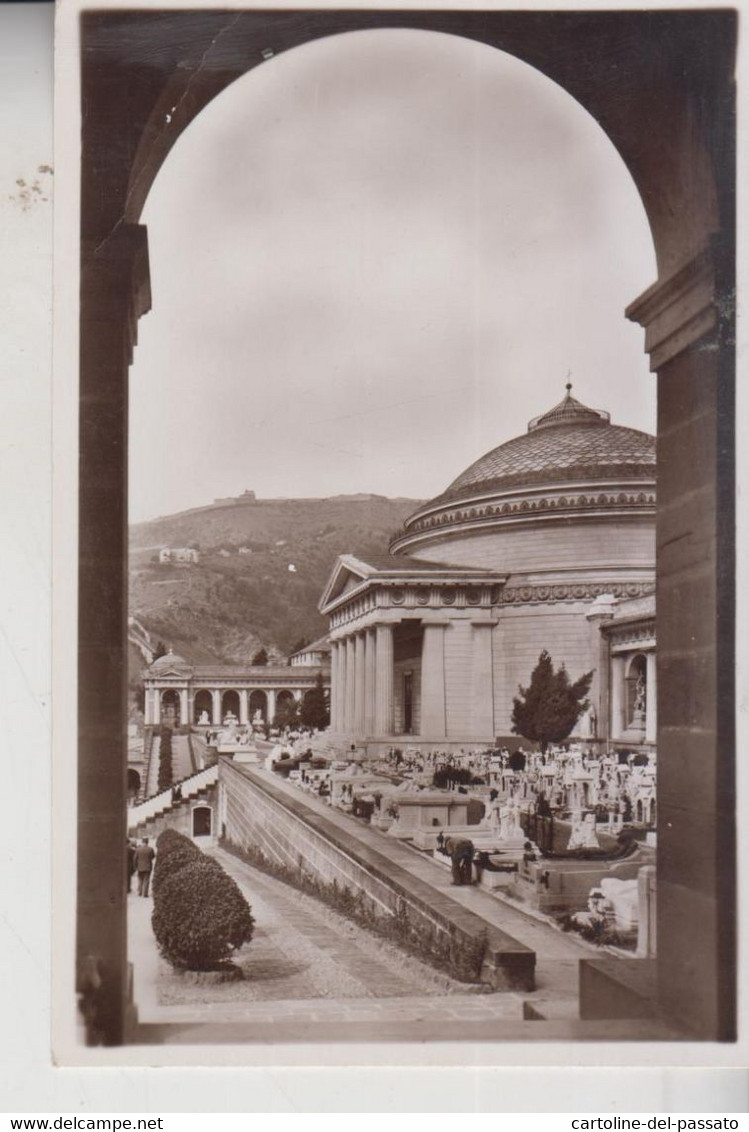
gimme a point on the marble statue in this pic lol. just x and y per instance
(204, 721)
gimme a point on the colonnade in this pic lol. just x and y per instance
(186, 696)
(363, 683)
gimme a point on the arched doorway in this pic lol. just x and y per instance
(170, 708)
(202, 821)
(203, 708)
(133, 784)
(636, 683)
(258, 703)
(230, 705)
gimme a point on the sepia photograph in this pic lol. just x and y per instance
(405, 530)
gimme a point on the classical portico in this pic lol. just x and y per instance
(411, 652)
(182, 694)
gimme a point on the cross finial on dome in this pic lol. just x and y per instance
(568, 386)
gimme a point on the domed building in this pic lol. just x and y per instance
(542, 543)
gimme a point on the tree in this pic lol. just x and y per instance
(159, 651)
(548, 709)
(260, 658)
(287, 713)
(315, 711)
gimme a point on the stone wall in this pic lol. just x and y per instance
(549, 546)
(258, 814)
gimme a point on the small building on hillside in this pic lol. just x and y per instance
(178, 555)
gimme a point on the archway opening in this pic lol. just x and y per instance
(444, 215)
(170, 708)
(230, 706)
(203, 708)
(133, 783)
(202, 821)
(258, 706)
(637, 691)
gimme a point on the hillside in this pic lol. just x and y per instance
(230, 604)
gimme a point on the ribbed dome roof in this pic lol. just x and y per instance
(571, 441)
(169, 661)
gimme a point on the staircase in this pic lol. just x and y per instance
(191, 786)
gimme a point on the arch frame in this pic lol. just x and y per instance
(626, 68)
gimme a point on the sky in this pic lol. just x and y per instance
(373, 259)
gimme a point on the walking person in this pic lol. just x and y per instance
(130, 864)
(144, 856)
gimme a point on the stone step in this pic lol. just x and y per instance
(393, 1029)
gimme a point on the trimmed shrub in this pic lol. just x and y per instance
(165, 759)
(200, 917)
(174, 852)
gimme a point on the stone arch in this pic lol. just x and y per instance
(636, 685)
(203, 703)
(625, 68)
(170, 708)
(259, 702)
(133, 782)
(229, 703)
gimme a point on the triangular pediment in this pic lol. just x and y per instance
(347, 575)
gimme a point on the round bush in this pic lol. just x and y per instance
(200, 917)
(173, 852)
(179, 858)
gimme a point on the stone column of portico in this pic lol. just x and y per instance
(333, 684)
(216, 706)
(360, 686)
(348, 724)
(617, 697)
(483, 680)
(384, 680)
(433, 706)
(243, 705)
(651, 699)
(184, 707)
(370, 681)
(271, 693)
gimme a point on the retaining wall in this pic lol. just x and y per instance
(258, 814)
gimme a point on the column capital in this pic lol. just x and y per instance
(489, 623)
(678, 311)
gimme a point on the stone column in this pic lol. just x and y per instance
(617, 697)
(333, 685)
(114, 293)
(433, 705)
(360, 687)
(370, 681)
(157, 706)
(348, 724)
(244, 696)
(271, 694)
(184, 707)
(148, 708)
(384, 680)
(690, 335)
(482, 673)
(651, 699)
(216, 707)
